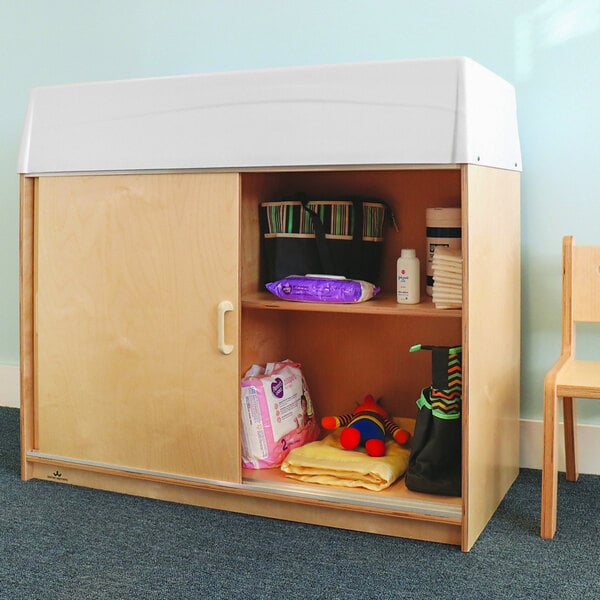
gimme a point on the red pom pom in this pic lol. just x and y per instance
(350, 438)
(401, 436)
(329, 422)
(375, 447)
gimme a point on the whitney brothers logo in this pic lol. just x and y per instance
(57, 476)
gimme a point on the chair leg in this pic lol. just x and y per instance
(549, 464)
(570, 438)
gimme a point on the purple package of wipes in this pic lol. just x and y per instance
(322, 288)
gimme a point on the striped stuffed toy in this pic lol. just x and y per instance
(367, 425)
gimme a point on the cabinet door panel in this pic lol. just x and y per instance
(129, 271)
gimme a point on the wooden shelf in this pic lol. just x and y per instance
(382, 304)
(397, 498)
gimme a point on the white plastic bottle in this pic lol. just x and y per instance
(408, 285)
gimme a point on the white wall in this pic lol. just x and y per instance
(9, 386)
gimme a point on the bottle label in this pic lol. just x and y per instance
(402, 286)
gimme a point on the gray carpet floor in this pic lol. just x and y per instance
(62, 542)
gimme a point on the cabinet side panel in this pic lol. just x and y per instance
(26, 308)
(130, 271)
(491, 318)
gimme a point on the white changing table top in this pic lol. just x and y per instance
(429, 111)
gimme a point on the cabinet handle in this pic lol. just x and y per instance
(224, 306)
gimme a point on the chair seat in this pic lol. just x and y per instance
(579, 379)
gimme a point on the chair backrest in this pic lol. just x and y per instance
(581, 287)
(586, 284)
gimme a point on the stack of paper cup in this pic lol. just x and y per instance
(443, 229)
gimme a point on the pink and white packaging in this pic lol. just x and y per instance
(277, 414)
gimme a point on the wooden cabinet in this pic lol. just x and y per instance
(124, 387)
(143, 299)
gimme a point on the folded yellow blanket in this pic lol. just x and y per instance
(326, 462)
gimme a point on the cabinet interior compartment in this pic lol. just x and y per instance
(408, 192)
(347, 351)
(346, 356)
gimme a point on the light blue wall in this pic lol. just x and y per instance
(549, 49)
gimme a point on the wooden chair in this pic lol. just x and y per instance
(569, 378)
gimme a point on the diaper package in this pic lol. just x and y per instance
(277, 414)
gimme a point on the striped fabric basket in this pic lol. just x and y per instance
(333, 237)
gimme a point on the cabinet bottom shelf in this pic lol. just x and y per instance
(397, 498)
